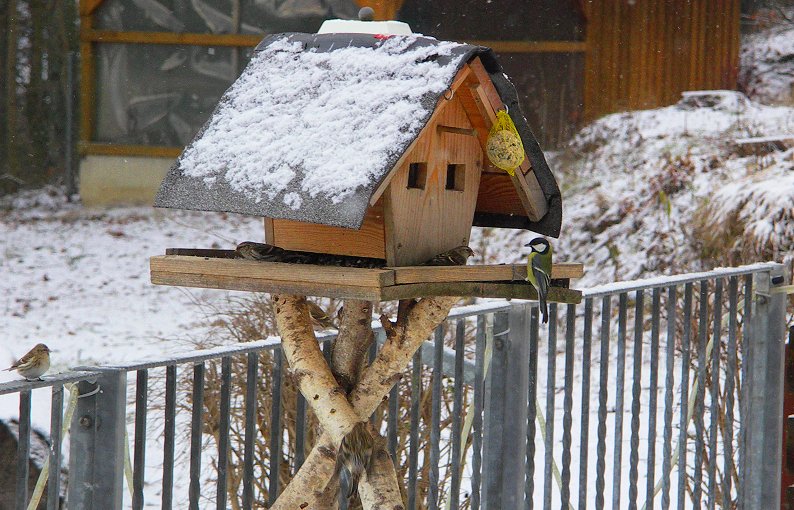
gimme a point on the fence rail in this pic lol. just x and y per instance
(671, 395)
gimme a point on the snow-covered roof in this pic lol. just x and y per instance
(317, 121)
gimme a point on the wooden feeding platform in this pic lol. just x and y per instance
(218, 269)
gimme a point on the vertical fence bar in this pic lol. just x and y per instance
(413, 452)
(194, 491)
(567, 417)
(653, 397)
(23, 451)
(457, 412)
(169, 437)
(223, 432)
(669, 381)
(746, 317)
(97, 443)
(700, 394)
(139, 456)
(56, 426)
(601, 445)
(765, 393)
(275, 427)
(636, 388)
(585, 416)
(252, 363)
(714, 410)
(730, 373)
(435, 420)
(476, 435)
(300, 431)
(620, 382)
(534, 326)
(504, 447)
(548, 437)
(683, 423)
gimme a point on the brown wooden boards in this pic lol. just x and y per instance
(506, 281)
(276, 271)
(486, 273)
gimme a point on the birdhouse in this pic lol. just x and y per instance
(367, 145)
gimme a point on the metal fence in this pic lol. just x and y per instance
(660, 392)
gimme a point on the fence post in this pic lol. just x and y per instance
(764, 356)
(97, 442)
(505, 421)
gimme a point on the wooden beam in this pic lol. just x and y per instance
(111, 36)
(272, 271)
(479, 273)
(110, 149)
(478, 289)
(211, 281)
(87, 83)
(533, 46)
(87, 7)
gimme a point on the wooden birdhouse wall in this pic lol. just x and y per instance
(368, 241)
(429, 204)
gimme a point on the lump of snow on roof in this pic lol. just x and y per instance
(318, 123)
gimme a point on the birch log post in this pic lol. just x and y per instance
(415, 323)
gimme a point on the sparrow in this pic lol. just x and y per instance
(250, 250)
(355, 455)
(454, 257)
(539, 271)
(34, 364)
(319, 316)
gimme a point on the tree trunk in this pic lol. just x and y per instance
(35, 105)
(314, 377)
(414, 325)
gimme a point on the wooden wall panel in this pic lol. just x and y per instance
(643, 54)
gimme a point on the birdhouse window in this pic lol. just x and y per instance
(455, 177)
(417, 175)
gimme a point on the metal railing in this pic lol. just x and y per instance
(688, 416)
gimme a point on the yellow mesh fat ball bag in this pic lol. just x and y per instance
(504, 146)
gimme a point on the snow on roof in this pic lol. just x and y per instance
(327, 122)
(307, 123)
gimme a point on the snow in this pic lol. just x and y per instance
(766, 72)
(326, 122)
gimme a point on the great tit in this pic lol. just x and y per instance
(539, 271)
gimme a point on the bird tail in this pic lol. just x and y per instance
(543, 290)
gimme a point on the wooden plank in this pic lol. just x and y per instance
(111, 149)
(87, 83)
(194, 39)
(211, 281)
(368, 241)
(87, 7)
(498, 195)
(478, 273)
(389, 293)
(478, 289)
(533, 46)
(272, 271)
